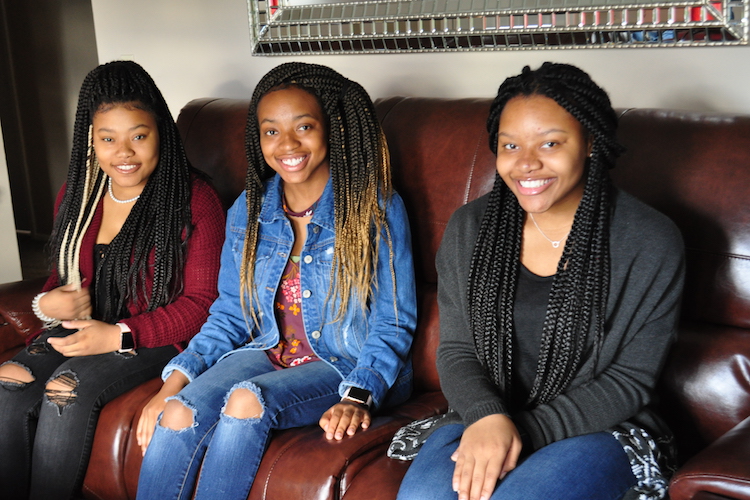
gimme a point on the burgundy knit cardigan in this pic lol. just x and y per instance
(177, 322)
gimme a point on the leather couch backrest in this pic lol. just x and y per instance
(213, 132)
(441, 160)
(693, 167)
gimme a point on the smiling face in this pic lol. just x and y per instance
(126, 142)
(294, 138)
(541, 154)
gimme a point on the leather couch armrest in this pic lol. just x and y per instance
(17, 320)
(720, 469)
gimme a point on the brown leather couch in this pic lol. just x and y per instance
(693, 167)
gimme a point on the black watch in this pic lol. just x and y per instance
(127, 344)
(360, 396)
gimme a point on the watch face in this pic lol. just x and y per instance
(126, 341)
(358, 394)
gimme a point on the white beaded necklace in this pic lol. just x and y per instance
(116, 200)
(555, 244)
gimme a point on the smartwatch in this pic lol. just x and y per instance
(126, 339)
(360, 396)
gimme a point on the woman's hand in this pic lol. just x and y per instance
(488, 450)
(344, 418)
(147, 423)
(66, 302)
(93, 337)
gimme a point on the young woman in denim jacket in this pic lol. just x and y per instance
(316, 305)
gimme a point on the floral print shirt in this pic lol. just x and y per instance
(293, 349)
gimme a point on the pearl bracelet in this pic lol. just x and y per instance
(48, 321)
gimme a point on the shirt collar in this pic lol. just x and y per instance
(271, 209)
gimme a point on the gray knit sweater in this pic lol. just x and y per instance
(647, 274)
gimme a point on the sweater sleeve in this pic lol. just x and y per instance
(178, 321)
(464, 381)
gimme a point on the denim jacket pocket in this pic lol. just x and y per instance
(263, 260)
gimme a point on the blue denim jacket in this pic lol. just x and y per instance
(369, 346)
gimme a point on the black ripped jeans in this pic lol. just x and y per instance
(46, 437)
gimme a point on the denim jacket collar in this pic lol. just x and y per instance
(271, 205)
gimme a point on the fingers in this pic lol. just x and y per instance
(489, 449)
(81, 303)
(92, 337)
(150, 414)
(70, 287)
(57, 342)
(70, 346)
(141, 435)
(473, 479)
(325, 420)
(76, 324)
(67, 302)
(147, 423)
(484, 482)
(511, 459)
(344, 419)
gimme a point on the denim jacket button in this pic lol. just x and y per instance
(315, 334)
(316, 230)
(306, 294)
(333, 359)
(308, 259)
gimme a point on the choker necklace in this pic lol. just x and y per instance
(112, 195)
(555, 244)
(305, 213)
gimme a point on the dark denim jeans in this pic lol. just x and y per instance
(46, 439)
(592, 466)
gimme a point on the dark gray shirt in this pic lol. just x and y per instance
(647, 274)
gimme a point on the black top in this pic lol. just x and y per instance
(101, 290)
(530, 309)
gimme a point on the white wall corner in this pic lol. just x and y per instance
(10, 261)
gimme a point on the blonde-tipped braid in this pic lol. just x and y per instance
(354, 263)
(69, 258)
(360, 173)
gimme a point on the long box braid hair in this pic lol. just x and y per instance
(579, 292)
(360, 172)
(159, 222)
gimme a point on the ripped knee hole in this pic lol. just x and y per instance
(243, 403)
(177, 416)
(16, 374)
(61, 390)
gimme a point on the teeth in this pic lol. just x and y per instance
(125, 167)
(292, 162)
(533, 184)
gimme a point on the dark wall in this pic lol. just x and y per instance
(46, 49)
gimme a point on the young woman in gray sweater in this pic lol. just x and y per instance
(559, 296)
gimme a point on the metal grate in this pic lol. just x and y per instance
(283, 27)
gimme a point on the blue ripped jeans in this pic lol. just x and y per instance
(592, 466)
(230, 449)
